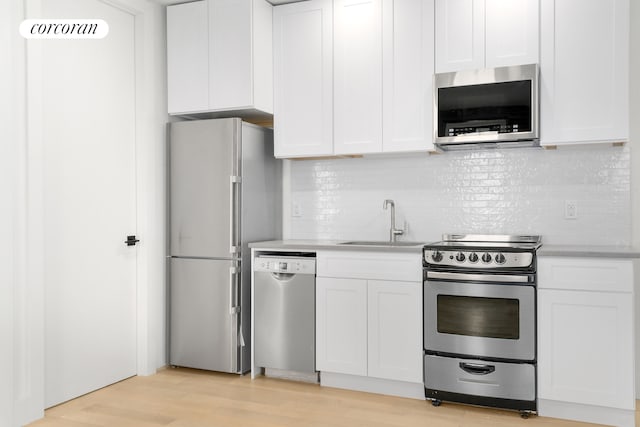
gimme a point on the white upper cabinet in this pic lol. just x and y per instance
(303, 79)
(474, 34)
(335, 63)
(219, 56)
(187, 57)
(584, 66)
(357, 76)
(408, 64)
(511, 32)
(459, 35)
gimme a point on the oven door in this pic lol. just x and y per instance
(475, 318)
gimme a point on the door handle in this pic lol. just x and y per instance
(474, 369)
(131, 240)
(233, 290)
(234, 180)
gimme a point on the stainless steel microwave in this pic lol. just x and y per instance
(487, 108)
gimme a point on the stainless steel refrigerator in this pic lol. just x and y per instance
(223, 192)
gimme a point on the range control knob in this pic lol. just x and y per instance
(500, 259)
(473, 257)
(460, 257)
(436, 256)
(486, 257)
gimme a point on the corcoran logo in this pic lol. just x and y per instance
(64, 28)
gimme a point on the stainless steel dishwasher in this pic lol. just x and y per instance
(284, 309)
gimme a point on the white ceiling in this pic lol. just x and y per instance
(273, 2)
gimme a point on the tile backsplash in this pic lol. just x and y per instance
(508, 191)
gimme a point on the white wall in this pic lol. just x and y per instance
(21, 284)
(8, 171)
(634, 112)
(491, 191)
(152, 101)
(21, 326)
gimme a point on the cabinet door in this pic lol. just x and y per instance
(585, 348)
(395, 330)
(408, 71)
(341, 325)
(358, 76)
(230, 65)
(511, 32)
(584, 65)
(459, 35)
(303, 101)
(187, 58)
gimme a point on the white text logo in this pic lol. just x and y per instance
(64, 28)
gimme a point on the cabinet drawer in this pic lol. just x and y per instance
(586, 274)
(370, 265)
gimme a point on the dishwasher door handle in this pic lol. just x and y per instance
(283, 277)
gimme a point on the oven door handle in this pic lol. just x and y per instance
(498, 278)
(472, 368)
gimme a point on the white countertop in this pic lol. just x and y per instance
(314, 245)
(596, 251)
(589, 251)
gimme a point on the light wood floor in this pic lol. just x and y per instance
(190, 398)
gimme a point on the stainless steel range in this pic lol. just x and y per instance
(480, 320)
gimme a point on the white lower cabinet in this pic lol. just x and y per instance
(394, 330)
(586, 342)
(367, 329)
(341, 325)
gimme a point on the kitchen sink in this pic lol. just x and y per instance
(381, 243)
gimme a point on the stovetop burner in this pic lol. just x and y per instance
(527, 242)
(454, 244)
(482, 251)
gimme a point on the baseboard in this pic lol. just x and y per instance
(307, 377)
(373, 385)
(587, 413)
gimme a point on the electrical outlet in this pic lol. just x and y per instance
(570, 209)
(296, 210)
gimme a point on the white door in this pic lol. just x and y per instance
(88, 95)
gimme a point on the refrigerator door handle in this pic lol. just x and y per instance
(234, 310)
(233, 290)
(233, 209)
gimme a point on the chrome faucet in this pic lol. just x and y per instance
(393, 231)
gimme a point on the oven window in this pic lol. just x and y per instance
(479, 316)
